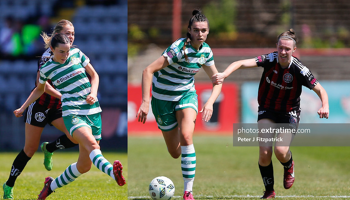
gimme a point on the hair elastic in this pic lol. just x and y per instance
(287, 37)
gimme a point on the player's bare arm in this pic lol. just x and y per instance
(37, 92)
(147, 75)
(92, 97)
(219, 78)
(208, 106)
(323, 112)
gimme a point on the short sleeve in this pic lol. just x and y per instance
(173, 52)
(264, 60)
(210, 59)
(84, 59)
(42, 77)
(307, 78)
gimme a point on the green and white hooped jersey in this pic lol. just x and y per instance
(175, 80)
(71, 80)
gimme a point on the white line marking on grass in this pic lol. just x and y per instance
(249, 196)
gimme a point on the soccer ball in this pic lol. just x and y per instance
(161, 187)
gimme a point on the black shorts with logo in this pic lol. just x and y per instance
(292, 117)
(38, 115)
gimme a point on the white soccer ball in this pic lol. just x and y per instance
(161, 187)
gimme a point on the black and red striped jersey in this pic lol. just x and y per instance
(280, 89)
(46, 99)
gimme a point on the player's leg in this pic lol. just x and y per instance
(186, 119)
(62, 142)
(35, 120)
(87, 131)
(265, 154)
(69, 175)
(164, 114)
(32, 139)
(282, 151)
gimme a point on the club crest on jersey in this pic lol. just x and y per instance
(75, 120)
(39, 116)
(75, 61)
(287, 77)
(201, 59)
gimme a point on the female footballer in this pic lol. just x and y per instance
(80, 110)
(279, 102)
(46, 110)
(174, 99)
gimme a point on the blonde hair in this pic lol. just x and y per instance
(57, 29)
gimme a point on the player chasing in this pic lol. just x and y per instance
(45, 110)
(174, 99)
(80, 110)
(279, 102)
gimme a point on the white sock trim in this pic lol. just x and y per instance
(187, 149)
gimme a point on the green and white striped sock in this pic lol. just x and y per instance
(68, 176)
(101, 163)
(188, 166)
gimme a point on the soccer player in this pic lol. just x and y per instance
(46, 110)
(279, 101)
(174, 98)
(80, 110)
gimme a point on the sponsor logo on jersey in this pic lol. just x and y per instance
(39, 116)
(176, 50)
(304, 71)
(171, 53)
(64, 78)
(287, 77)
(188, 70)
(313, 81)
(202, 59)
(276, 85)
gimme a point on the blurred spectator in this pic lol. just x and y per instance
(6, 32)
(21, 40)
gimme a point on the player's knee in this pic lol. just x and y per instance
(29, 150)
(265, 157)
(281, 152)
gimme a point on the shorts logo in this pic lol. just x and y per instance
(261, 112)
(75, 120)
(292, 120)
(39, 116)
(159, 120)
(201, 59)
(288, 78)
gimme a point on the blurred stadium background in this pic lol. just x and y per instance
(240, 29)
(101, 33)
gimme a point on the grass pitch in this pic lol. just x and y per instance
(92, 185)
(227, 172)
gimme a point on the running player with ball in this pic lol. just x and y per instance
(174, 98)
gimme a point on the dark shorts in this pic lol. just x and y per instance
(38, 115)
(292, 117)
